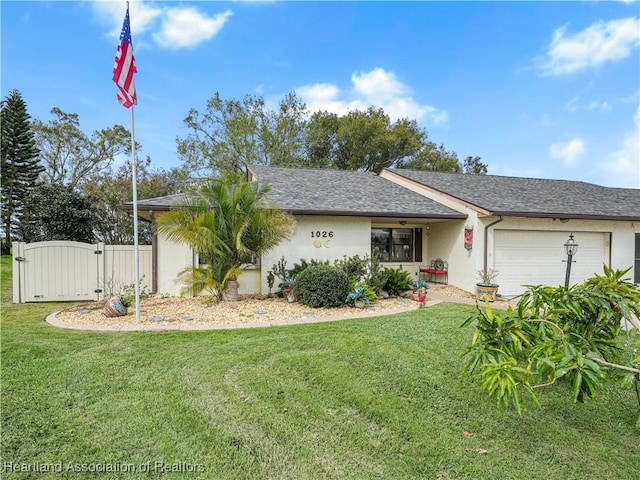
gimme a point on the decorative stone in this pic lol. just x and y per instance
(84, 312)
(158, 318)
(309, 314)
(187, 318)
(261, 312)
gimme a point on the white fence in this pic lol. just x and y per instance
(73, 271)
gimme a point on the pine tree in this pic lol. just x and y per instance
(20, 165)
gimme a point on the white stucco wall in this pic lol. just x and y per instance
(446, 241)
(338, 236)
(347, 236)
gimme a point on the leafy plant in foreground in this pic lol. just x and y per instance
(555, 333)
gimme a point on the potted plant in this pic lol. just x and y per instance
(419, 290)
(288, 289)
(486, 289)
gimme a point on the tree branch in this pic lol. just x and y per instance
(615, 365)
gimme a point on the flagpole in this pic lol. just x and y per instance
(136, 248)
(123, 70)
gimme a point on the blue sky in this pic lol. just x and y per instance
(538, 89)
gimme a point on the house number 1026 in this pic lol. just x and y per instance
(323, 234)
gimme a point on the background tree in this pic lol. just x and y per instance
(434, 158)
(362, 140)
(112, 188)
(232, 134)
(69, 156)
(20, 166)
(228, 221)
(59, 212)
(474, 166)
(85, 165)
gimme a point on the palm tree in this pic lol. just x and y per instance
(228, 221)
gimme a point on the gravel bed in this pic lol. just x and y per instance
(251, 310)
(203, 311)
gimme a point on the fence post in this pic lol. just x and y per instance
(100, 259)
(17, 259)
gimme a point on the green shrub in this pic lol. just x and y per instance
(303, 265)
(322, 286)
(375, 276)
(366, 269)
(397, 281)
(355, 267)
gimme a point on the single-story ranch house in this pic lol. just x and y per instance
(517, 226)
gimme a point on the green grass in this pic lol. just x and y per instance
(373, 398)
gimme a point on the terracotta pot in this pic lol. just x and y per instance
(419, 296)
(231, 293)
(486, 292)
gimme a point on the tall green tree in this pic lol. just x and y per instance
(362, 140)
(69, 155)
(113, 187)
(231, 134)
(434, 158)
(20, 165)
(369, 141)
(228, 221)
(474, 166)
(59, 212)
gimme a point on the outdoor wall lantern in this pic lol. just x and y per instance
(570, 248)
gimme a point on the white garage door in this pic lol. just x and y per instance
(536, 257)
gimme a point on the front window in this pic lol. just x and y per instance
(392, 244)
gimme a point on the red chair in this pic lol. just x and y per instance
(437, 267)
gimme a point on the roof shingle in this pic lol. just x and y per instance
(340, 192)
(533, 197)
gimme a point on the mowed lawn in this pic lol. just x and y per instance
(373, 398)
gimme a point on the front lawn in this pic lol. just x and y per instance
(371, 398)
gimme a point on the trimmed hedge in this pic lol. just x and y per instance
(322, 286)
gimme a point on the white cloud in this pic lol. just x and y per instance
(624, 164)
(604, 106)
(141, 15)
(170, 27)
(599, 43)
(187, 27)
(378, 88)
(569, 152)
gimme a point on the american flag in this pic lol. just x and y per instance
(125, 67)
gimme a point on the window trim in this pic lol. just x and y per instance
(390, 244)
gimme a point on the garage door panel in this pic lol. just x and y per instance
(537, 257)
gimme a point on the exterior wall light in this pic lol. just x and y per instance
(570, 248)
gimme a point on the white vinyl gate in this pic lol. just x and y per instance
(72, 271)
